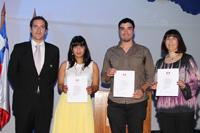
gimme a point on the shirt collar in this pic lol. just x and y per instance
(119, 43)
(34, 43)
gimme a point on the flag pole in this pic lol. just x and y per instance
(3, 14)
(4, 85)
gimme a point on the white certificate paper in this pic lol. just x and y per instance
(77, 89)
(124, 84)
(167, 82)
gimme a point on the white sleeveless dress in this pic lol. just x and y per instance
(75, 117)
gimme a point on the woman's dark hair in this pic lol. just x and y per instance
(39, 18)
(78, 41)
(174, 33)
(126, 20)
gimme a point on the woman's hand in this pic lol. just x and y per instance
(181, 84)
(63, 88)
(89, 90)
(154, 85)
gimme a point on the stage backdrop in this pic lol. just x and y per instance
(97, 22)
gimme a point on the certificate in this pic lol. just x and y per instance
(124, 84)
(167, 82)
(77, 89)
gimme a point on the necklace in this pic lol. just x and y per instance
(78, 69)
(173, 57)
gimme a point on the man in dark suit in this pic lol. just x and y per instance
(33, 75)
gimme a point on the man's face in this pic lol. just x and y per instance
(126, 32)
(38, 30)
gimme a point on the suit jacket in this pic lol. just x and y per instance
(25, 80)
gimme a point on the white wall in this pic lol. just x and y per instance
(97, 22)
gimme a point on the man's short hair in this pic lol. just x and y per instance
(126, 20)
(39, 18)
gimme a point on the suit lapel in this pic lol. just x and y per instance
(30, 56)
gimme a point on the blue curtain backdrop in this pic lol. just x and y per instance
(189, 6)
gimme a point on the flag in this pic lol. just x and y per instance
(4, 86)
(34, 15)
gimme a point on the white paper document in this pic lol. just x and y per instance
(124, 84)
(167, 82)
(77, 89)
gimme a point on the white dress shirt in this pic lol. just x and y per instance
(42, 50)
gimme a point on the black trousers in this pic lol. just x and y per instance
(32, 120)
(176, 122)
(122, 115)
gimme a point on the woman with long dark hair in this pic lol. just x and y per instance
(76, 116)
(176, 113)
